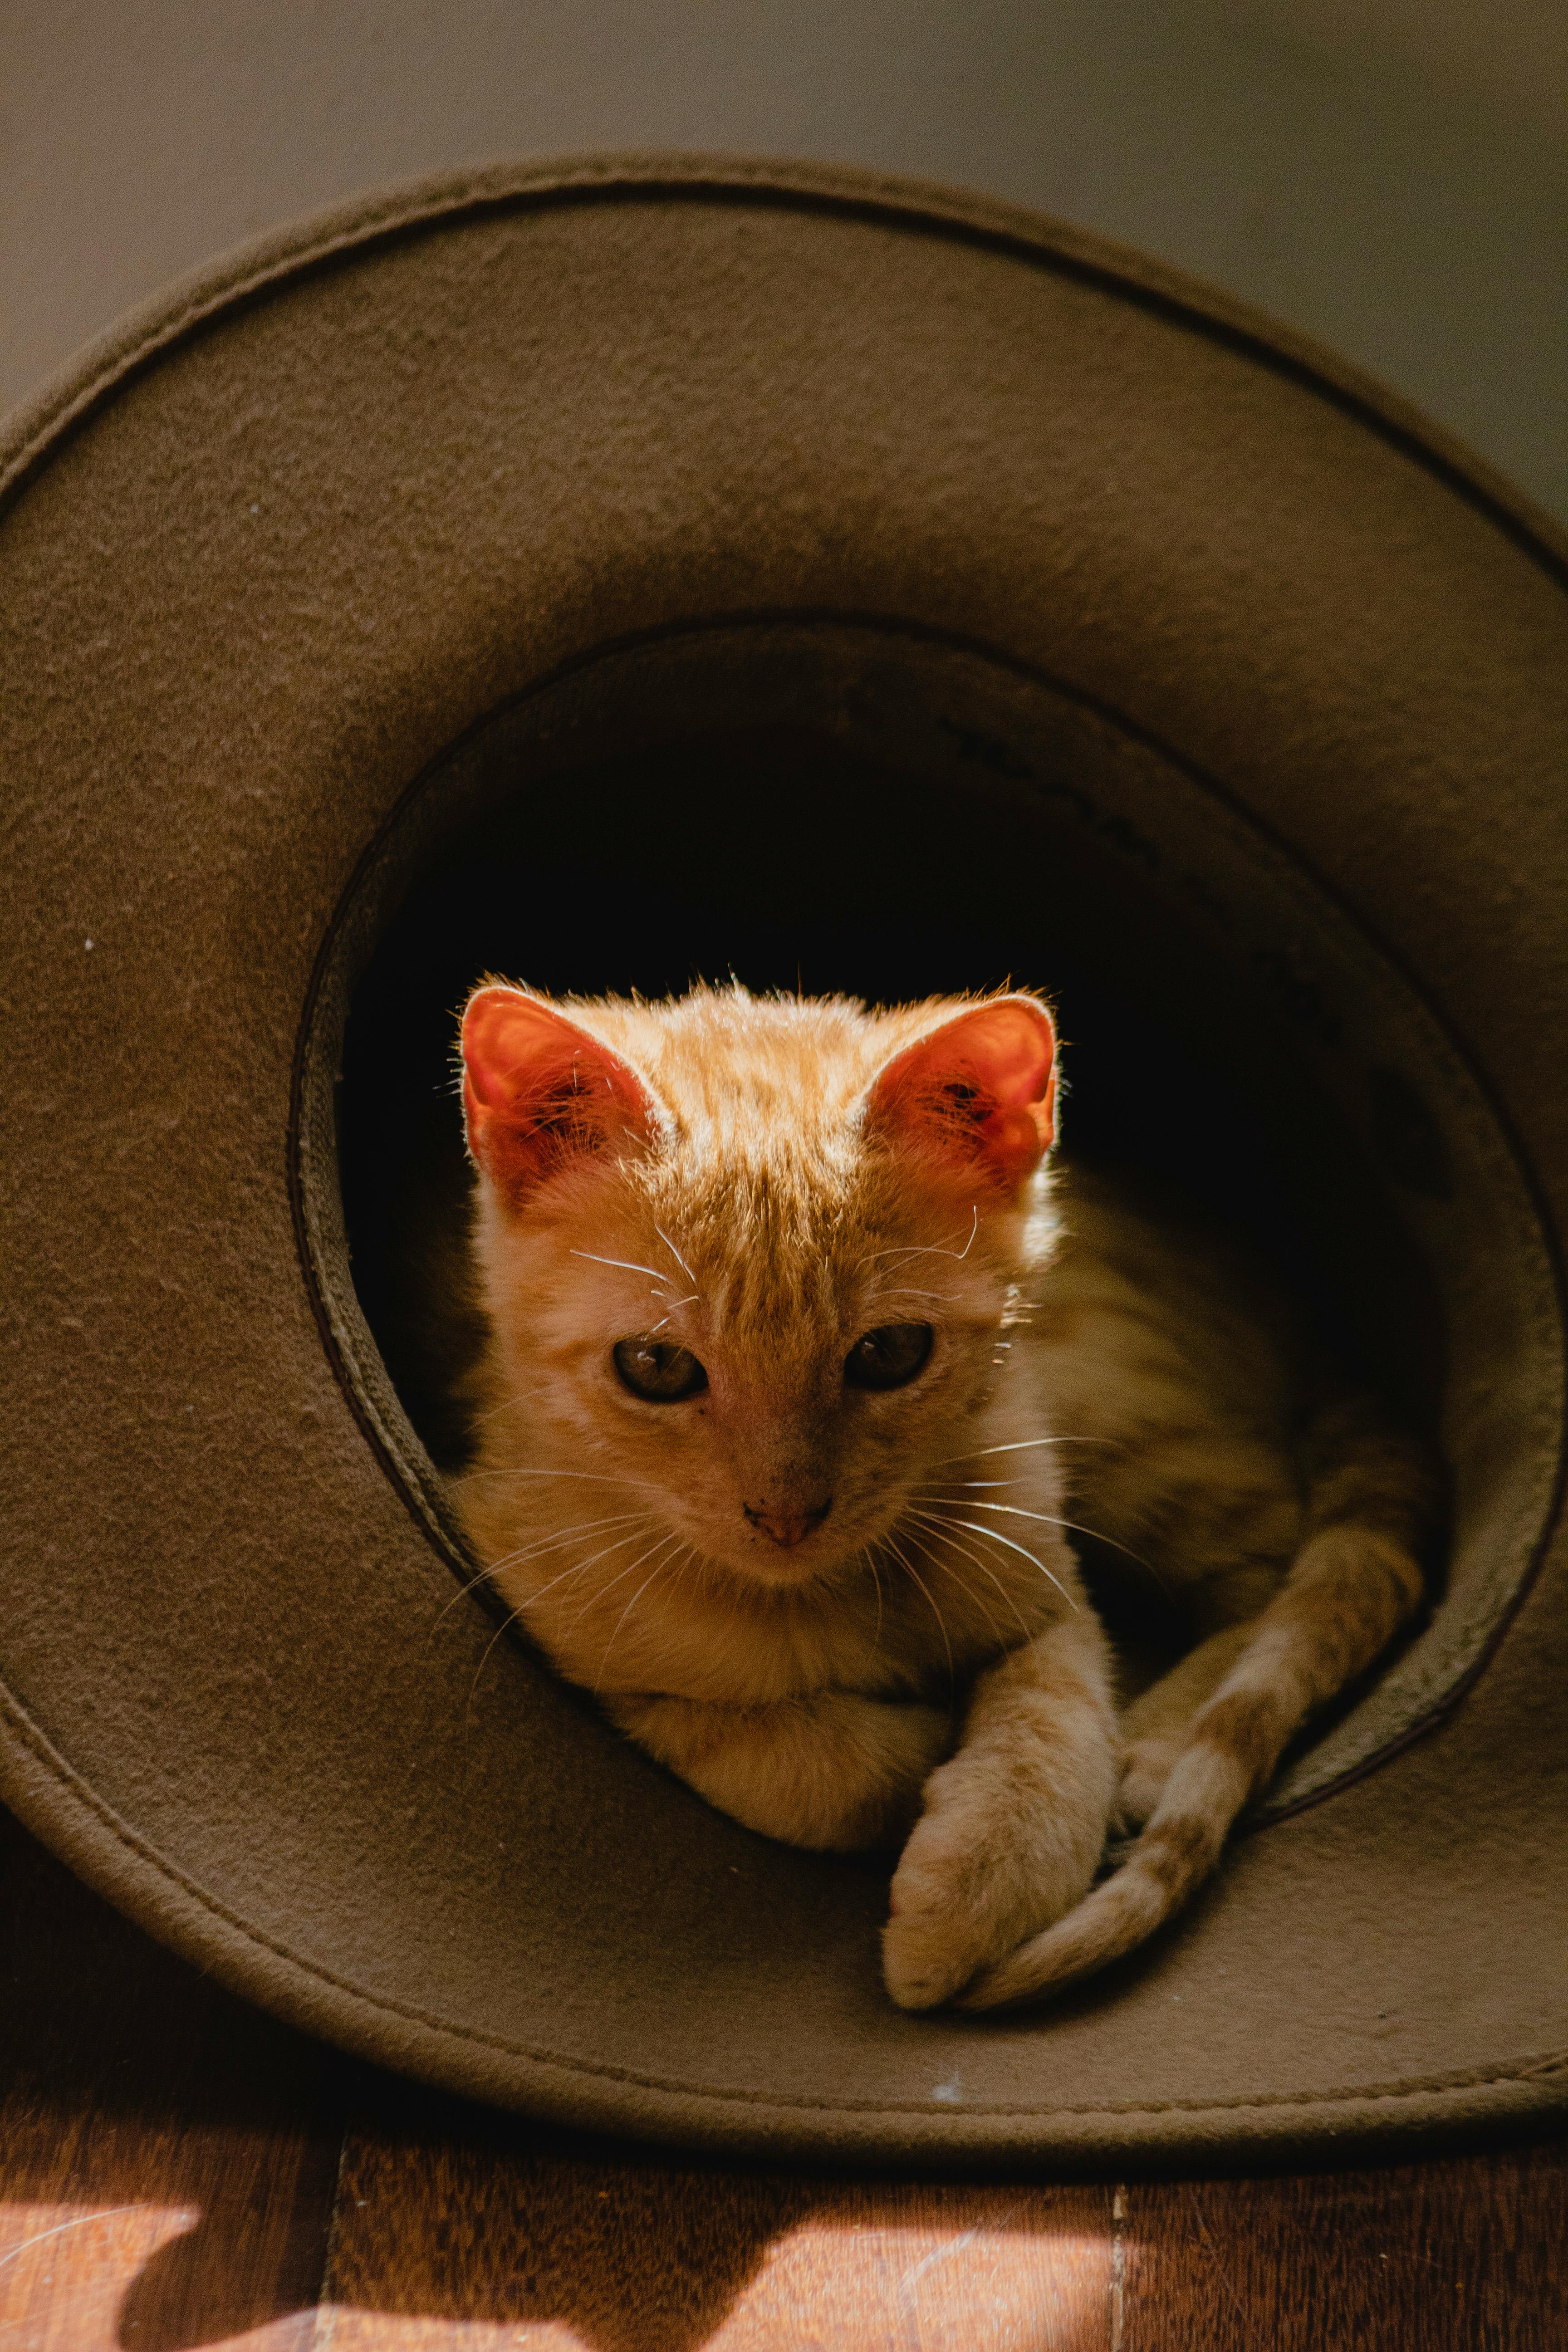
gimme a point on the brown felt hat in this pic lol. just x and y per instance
(846, 559)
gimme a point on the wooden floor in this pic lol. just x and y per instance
(176, 2170)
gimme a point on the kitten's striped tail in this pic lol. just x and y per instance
(1371, 1506)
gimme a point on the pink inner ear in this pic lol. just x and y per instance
(980, 1092)
(540, 1092)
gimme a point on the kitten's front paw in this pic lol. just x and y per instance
(971, 1884)
(1147, 1769)
(935, 1937)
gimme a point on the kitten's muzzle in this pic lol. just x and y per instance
(787, 1528)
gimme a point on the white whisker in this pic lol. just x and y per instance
(658, 1571)
(943, 1567)
(507, 1622)
(512, 1615)
(961, 1485)
(977, 1528)
(867, 1556)
(930, 1519)
(994, 1629)
(553, 1539)
(462, 1593)
(941, 1623)
(619, 1578)
(571, 1572)
(625, 1263)
(542, 1544)
(595, 1477)
(1019, 1445)
(1077, 1527)
(478, 1420)
(674, 1253)
(929, 1249)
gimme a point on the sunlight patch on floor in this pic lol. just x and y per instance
(65, 2269)
(991, 2288)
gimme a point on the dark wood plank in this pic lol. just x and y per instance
(1467, 2254)
(168, 2157)
(445, 2242)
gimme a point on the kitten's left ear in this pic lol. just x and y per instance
(979, 1093)
(542, 1094)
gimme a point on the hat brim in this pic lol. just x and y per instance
(329, 541)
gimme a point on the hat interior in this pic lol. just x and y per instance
(829, 804)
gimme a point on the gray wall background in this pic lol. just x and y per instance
(1388, 176)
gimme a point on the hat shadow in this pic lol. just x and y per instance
(652, 2263)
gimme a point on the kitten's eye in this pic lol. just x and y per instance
(653, 1369)
(889, 1357)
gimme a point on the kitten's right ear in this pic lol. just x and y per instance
(542, 1094)
(977, 1094)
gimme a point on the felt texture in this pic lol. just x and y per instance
(270, 552)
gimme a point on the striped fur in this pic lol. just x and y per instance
(1355, 1581)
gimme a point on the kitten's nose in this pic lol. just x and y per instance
(787, 1528)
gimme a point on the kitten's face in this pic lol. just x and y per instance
(759, 1272)
(778, 1424)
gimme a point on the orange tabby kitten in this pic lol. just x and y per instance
(801, 1366)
